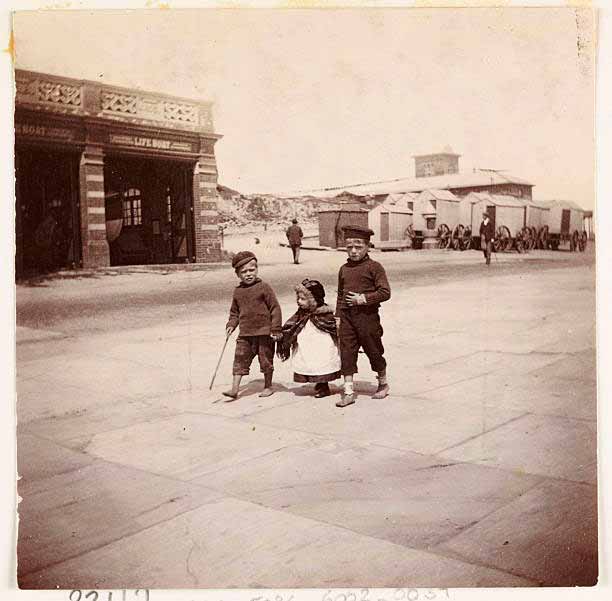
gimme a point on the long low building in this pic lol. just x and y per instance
(107, 175)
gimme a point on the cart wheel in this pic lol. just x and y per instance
(466, 241)
(533, 239)
(457, 235)
(543, 238)
(503, 238)
(444, 236)
(582, 243)
(574, 241)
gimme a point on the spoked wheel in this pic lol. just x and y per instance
(582, 243)
(543, 237)
(574, 241)
(503, 239)
(457, 236)
(533, 240)
(444, 236)
(523, 240)
(466, 241)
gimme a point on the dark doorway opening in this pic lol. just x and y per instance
(491, 212)
(47, 213)
(148, 210)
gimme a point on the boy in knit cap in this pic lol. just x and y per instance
(362, 286)
(256, 310)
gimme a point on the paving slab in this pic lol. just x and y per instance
(190, 445)
(537, 444)
(556, 543)
(86, 422)
(70, 514)
(578, 366)
(198, 549)
(402, 497)
(118, 377)
(44, 397)
(525, 393)
(39, 458)
(201, 400)
(399, 422)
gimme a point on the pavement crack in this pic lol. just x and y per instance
(503, 424)
(193, 576)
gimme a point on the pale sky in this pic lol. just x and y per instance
(313, 98)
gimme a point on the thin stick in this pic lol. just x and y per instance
(219, 362)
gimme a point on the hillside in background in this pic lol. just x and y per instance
(240, 210)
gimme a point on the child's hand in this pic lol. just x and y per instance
(228, 331)
(354, 298)
(276, 337)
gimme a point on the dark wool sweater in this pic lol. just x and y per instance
(486, 230)
(366, 277)
(255, 309)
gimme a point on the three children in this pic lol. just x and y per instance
(321, 346)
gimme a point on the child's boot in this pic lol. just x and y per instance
(267, 391)
(383, 388)
(322, 390)
(233, 392)
(348, 396)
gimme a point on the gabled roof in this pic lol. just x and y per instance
(440, 195)
(498, 200)
(563, 204)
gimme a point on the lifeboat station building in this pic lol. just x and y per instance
(111, 176)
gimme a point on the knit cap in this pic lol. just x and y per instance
(242, 258)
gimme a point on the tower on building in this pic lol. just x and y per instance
(440, 163)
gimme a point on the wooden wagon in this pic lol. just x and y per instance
(509, 217)
(437, 220)
(390, 221)
(564, 224)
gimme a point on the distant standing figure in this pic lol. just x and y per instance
(294, 236)
(487, 235)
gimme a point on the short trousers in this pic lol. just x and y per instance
(249, 347)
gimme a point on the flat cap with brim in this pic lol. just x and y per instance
(242, 258)
(357, 231)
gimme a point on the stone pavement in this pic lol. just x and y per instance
(479, 469)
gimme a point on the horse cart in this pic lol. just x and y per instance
(437, 221)
(564, 224)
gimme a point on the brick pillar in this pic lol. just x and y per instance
(94, 245)
(205, 213)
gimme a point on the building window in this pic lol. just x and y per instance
(132, 209)
(168, 206)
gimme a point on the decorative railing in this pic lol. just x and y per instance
(64, 95)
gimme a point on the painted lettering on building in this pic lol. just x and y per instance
(43, 131)
(153, 143)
